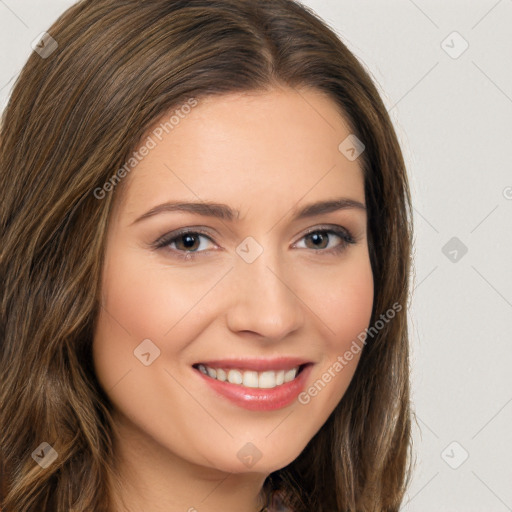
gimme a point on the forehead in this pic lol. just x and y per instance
(260, 148)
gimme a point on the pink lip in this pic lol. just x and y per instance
(256, 364)
(255, 399)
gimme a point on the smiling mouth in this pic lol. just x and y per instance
(267, 379)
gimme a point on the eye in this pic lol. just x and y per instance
(321, 236)
(185, 244)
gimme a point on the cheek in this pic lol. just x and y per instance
(345, 312)
(144, 300)
(348, 308)
(137, 305)
(342, 299)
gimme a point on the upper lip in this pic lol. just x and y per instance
(256, 364)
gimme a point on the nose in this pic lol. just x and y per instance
(262, 300)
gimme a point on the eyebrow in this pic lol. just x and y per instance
(224, 212)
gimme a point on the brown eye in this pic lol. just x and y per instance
(189, 241)
(319, 240)
(183, 244)
(186, 244)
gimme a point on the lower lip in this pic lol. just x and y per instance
(256, 399)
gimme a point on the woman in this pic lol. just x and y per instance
(174, 335)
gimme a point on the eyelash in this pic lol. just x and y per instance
(164, 241)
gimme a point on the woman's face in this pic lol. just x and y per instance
(249, 295)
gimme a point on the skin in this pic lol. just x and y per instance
(266, 154)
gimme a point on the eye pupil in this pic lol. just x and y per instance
(318, 237)
(189, 241)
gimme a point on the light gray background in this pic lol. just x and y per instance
(454, 120)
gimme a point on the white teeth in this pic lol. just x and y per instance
(250, 379)
(235, 377)
(221, 374)
(264, 380)
(290, 375)
(267, 380)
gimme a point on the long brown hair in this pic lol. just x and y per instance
(73, 119)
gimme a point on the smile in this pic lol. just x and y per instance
(256, 385)
(252, 379)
